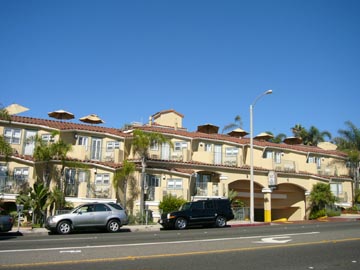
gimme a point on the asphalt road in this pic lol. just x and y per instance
(305, 246)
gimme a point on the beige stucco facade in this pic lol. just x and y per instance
(199, 165)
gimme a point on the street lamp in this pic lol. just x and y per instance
(252, 155)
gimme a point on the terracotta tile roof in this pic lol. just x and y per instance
(67, 125)
(243, 141)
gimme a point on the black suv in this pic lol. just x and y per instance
(213, 212)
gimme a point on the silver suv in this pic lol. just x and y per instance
(109, 216)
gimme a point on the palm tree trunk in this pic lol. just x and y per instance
(125, 188)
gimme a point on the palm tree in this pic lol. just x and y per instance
(237, 124)
(278, 138)
(36, 199)
(47, 151)
(300, 132)
(313, 136)
(349, 142)
(4, 114)
(121, 178)
(56, 199)
(5, 148)
(141, 144)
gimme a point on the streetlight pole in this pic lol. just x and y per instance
(252, 155)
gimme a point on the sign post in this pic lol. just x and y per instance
(19, 208)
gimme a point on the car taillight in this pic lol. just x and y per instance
(11, 219)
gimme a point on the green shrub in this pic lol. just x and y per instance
(318, 214)
(170, 203)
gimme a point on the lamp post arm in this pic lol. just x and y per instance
(260, 96)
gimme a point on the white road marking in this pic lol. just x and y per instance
(70, 251)
(153, 243)
(52, 239)
(274, 240)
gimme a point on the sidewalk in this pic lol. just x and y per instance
(232, 223)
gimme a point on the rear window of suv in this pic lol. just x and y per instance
(116, 206)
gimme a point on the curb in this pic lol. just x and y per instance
(140, 228)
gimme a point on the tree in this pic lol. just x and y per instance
(4, 114)
(56, 199)
(237, 124)
(141, 144)
(299, 131)
(121, 178)
(320, 197)
(278, 138)
(171, 203)
(349, 142)
(45, 151)
(5, 148)
(313, 136)
(36, 200)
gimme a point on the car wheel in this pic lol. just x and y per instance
(220, 222)
(64, 227)
(113, 226)
(180, 223)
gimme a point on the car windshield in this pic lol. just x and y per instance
(185, 206)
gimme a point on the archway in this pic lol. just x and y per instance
(288, 202)
(242, 189)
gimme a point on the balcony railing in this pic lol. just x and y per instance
(99, 191)
(285, 166)
(13, 185)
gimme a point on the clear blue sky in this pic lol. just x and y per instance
(206, 59)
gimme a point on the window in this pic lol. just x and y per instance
(21, 174)
(313, 159)
(101, 208)
(110, 146)
(277, 157)
(152, 180)
(268, 154)
(208, 147)
(175, 184)
(180, 145)
(82, 176)
(102, 179)
(82, 140)
(336, 189)
(12, 135)
(197, 205)
(209, 205)
(154, 146)
(3, 170)
(3, 175)
(47, 138)
(231, 151)
(70, 176)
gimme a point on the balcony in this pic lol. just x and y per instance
(285, 166)
(80, 152)
(13, 185)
